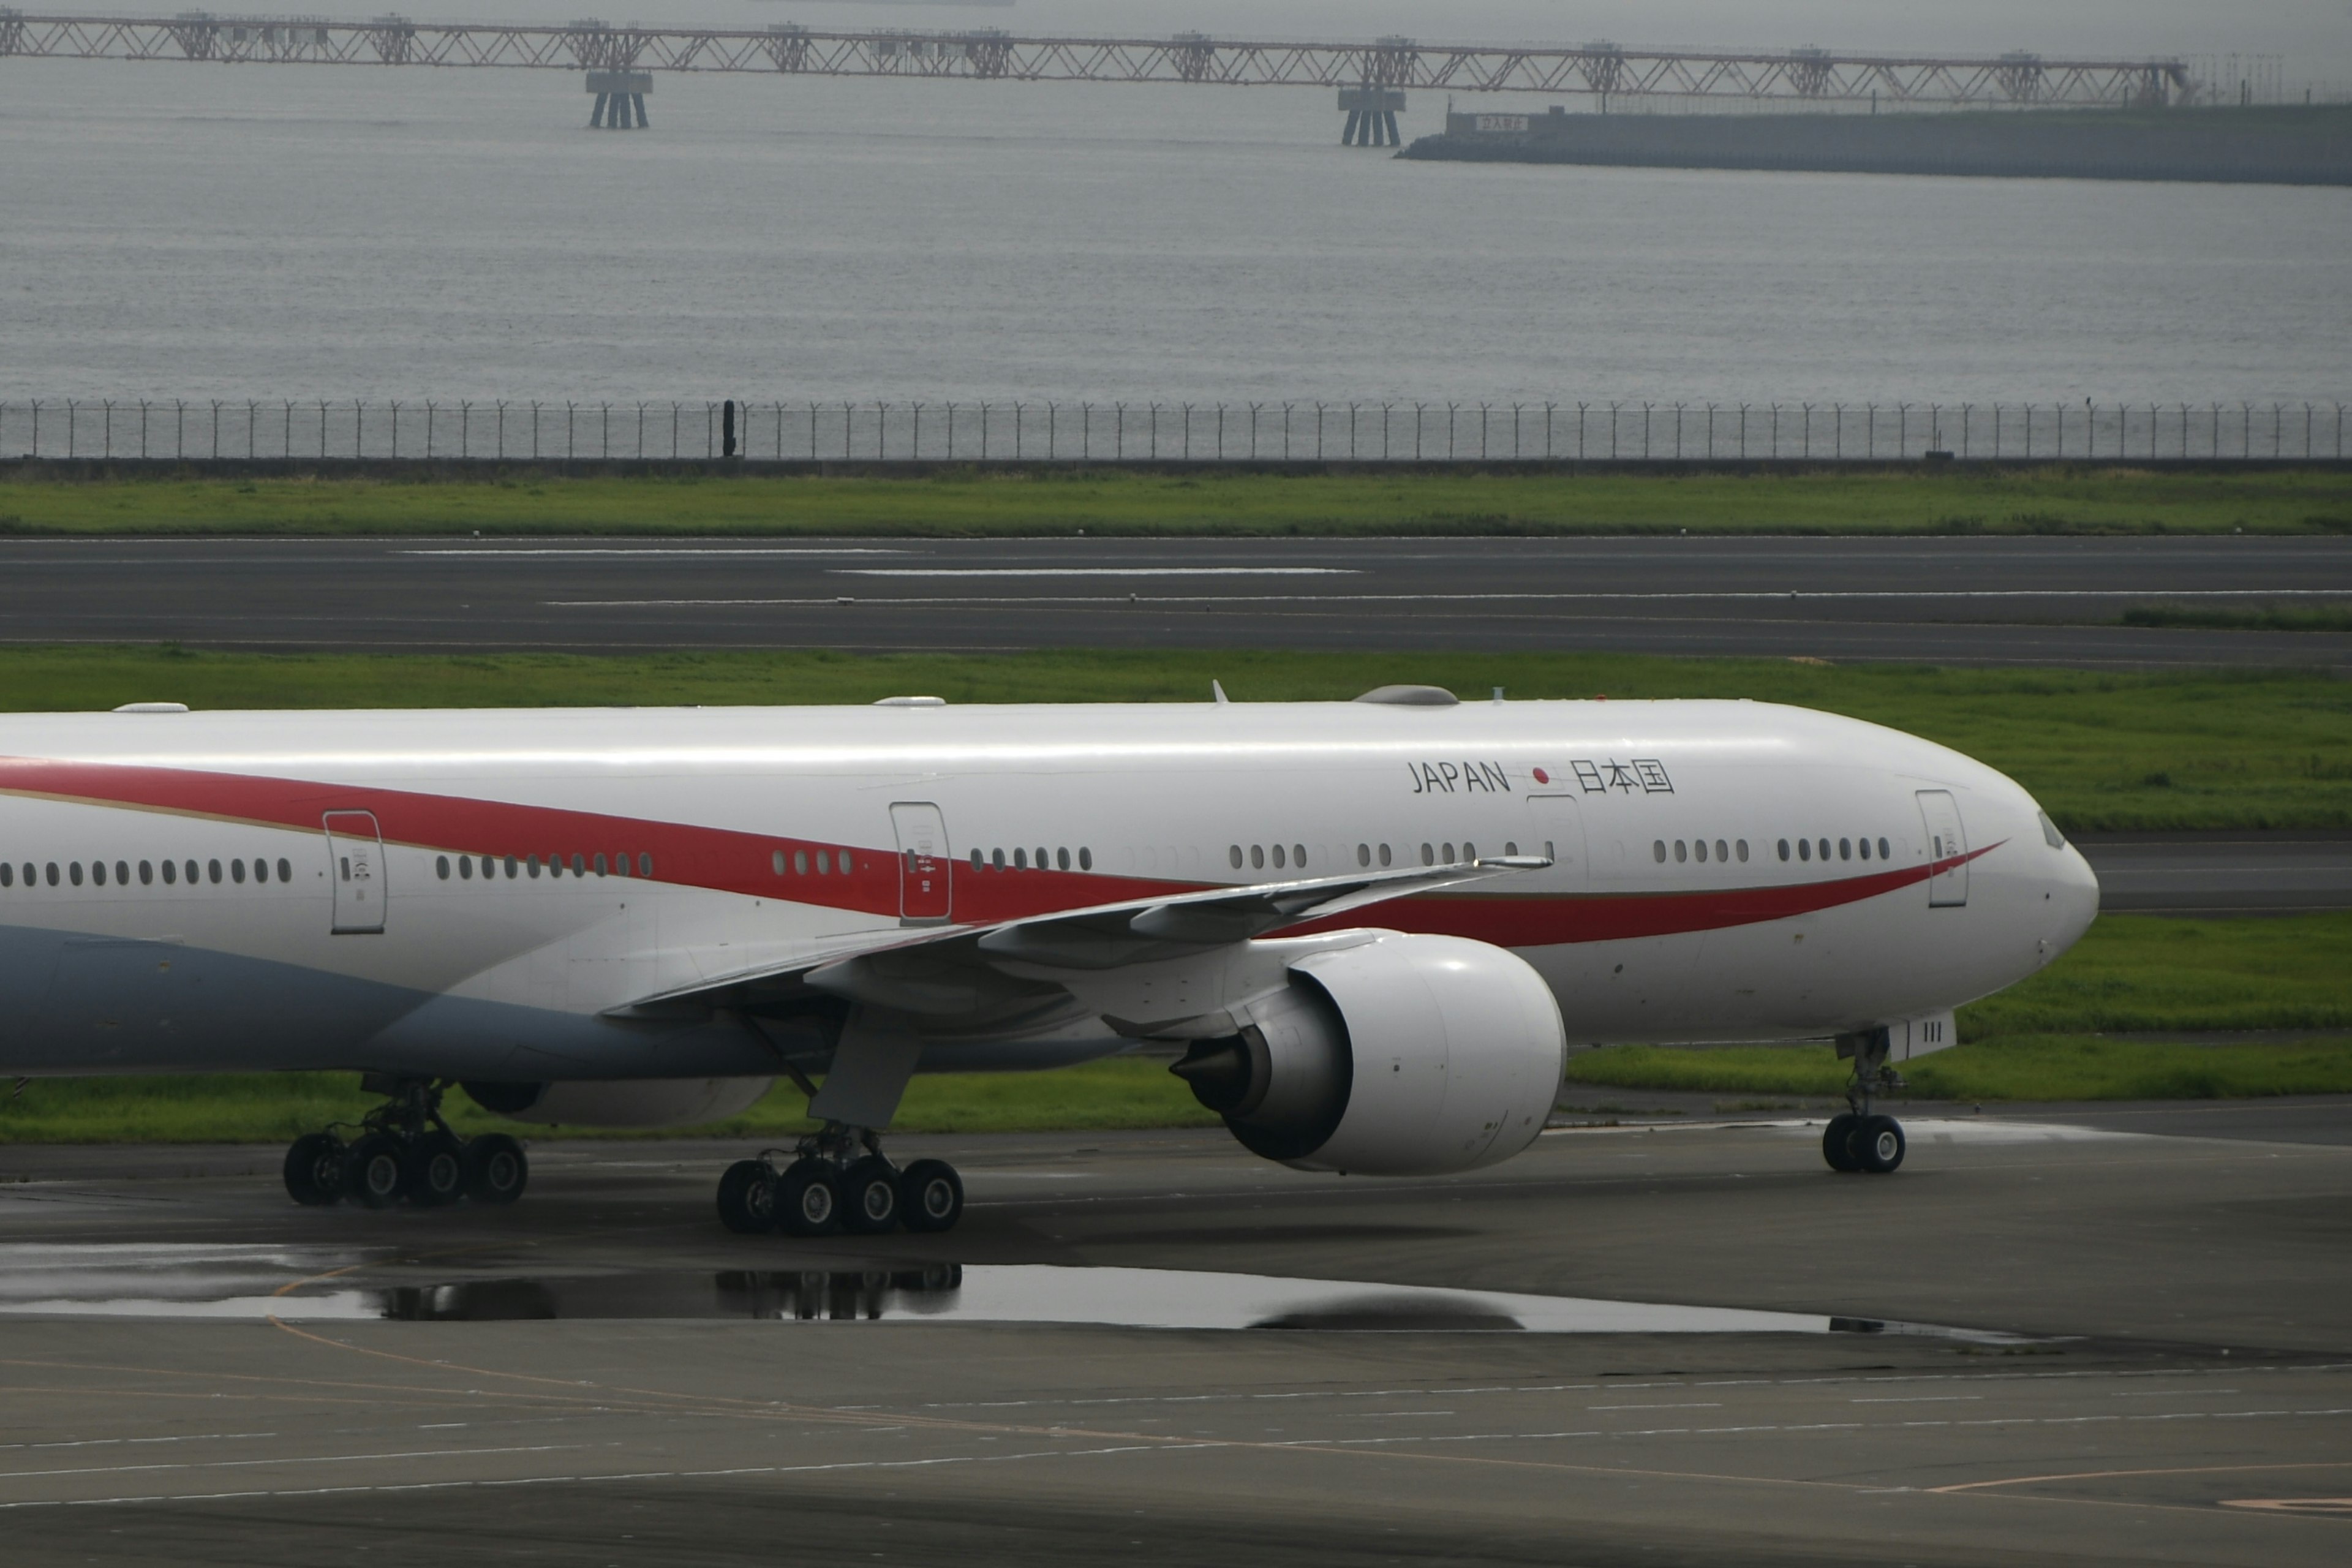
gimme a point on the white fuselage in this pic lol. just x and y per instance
(493, 933)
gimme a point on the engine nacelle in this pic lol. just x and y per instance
(1407, 1056)
(621, 1102)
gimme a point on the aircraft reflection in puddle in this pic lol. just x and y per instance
(1120, 1297)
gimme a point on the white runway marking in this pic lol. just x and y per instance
(1875, 595)
(583, 553)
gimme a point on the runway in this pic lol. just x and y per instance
(2241, 873)
(2006, 601)
(2151, 1362)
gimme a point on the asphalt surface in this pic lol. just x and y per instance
(2243, 873)
(2029, 601)
(2154, 1367)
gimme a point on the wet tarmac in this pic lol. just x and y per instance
(2156, 1367)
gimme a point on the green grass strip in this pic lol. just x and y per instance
(2014, 1066)
(2101, 751)
(954, 502)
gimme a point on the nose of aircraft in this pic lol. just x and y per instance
(2074, 897)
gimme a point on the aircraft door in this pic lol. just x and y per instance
(1947, 848)
(356, 866)
(926, 898)
(1555, 829)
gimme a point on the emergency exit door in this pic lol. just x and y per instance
(1947, 848)
(355, 867)
(925, 895)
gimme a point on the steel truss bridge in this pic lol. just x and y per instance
(1599, 69)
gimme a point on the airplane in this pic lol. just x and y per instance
(1368, 932)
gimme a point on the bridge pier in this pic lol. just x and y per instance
(620, 100)
(1371, 116)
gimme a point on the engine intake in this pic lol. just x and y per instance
(1403, 1056)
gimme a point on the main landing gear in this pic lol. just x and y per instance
(837, 1181)
(1859, 1139)
(404, 1150)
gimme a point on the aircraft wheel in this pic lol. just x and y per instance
(1837, 1139)
(372, 1171)
(930, 1195)
(496, 1169)
(747, 1197)
(314, 1170)
(1878, 1145)
(433, 1171)
(807, 1201)
(869, 1196)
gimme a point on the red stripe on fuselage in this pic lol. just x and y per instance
(727, 861)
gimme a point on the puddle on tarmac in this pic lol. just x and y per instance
(256, 1282)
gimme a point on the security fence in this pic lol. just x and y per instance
(1048, 431)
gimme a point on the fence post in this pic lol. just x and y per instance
(1286, 432)
(72, 408)
(1678, 432)
(2278, 411)
(1318, 432)
(1151, 439)
(1612, 430)
(465, 428)
(1711, 433)
(1352, 432)
(1253, 413)
(1964, 431)
(396, 425)
(1805, 448)
(286, 437)
(1385, 409)
(322, 429)
(37, 429)
(1450, 409)
(1547, 412)
(1515, 432)
(1416, 432)
(1052, 418)
(1580, 431)
(1221, 432)
(1119, 432)
(428, 428)
(1773, 448)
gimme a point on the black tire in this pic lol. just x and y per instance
(869, 1196)
(433, 1170)
(496, 1169)
(747, 1197)
(808, 1202)
(1837, 1141)
(373, 1171)
(930, 1196)
(1878, 1145)
(314, 1170)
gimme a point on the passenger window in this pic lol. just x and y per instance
(236, 872)
(1062, 859)
(1449, 855)
(73, 869)
(285, 871)
(600, 864)
(1804, 848)
(1020, 860)
(1825, 849)
(1384, 855)
(96, 872)
(1086, 859)
(7, 874)
(514, 869)
(192, 874)
(1883, 854)
(823, 863)
(532, 862)
(260, 871)
(1865, 849)
(53, 874)
(1509, 848)
(1722, 851)
(777, 860)
(1658, 850)
(466, 868)
(1469, 851)
(1428, 856)
(1257, 856)
(996, 858)
(1041, 859)
(1682, 852)
(171, 873)
(580, 865)
(621, 863)
(1845, 848)
(1784, 850)
(1742, 848)
(441, 866)
(1701, 848)
(1234, 855)
(1298, 856)
(123, 873)
(1279, 858)
(1363, 853)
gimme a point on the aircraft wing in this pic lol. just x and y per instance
(961, 969)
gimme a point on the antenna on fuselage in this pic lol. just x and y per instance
(1217, 692)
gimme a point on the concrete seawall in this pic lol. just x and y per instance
(2305, 146)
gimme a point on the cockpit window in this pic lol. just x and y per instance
(2050, 834)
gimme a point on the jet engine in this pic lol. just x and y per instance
(621, 1102)
(1406, 1055)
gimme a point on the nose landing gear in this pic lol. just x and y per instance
(838, 1179)
(404, 1150)
(1859, 1137)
